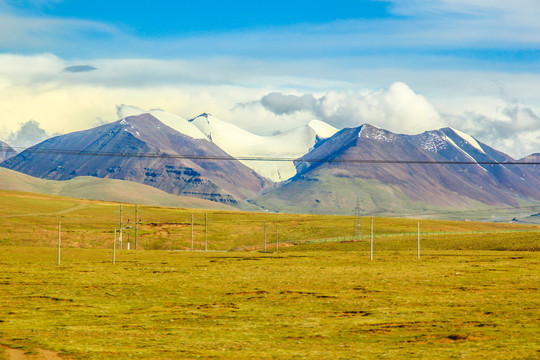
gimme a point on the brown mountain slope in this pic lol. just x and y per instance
(144, 150)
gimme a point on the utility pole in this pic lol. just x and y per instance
(418, 245)
(120, 238)
(371, 248)
(205, 232)
(136, 226)
(191, 232)
(277, 238)
(59, 239)
(357, 231)
(114, 248)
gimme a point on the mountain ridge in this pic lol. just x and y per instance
(143, 134)
(208, 158)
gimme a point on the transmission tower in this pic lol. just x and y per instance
(357, 232)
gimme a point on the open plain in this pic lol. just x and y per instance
(471, 294)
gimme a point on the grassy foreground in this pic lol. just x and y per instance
(328, 303)
(472, 294)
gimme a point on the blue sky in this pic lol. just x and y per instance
(470, 64)
(177, 18)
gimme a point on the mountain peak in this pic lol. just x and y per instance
(203, 115)
(322, 130)
(368, 131)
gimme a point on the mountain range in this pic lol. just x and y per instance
(312, 169)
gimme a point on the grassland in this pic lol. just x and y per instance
(301, 303)
(472, 296)
(32, 220)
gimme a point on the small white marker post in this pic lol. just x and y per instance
(114, 248)
(264, 237)
(371, 248)
(418, 245)
(59, 239)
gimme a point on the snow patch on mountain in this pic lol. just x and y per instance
(376, 133)
(257, 151)
(464, 152)
(171, 120)
(435, 141)
(468, 138)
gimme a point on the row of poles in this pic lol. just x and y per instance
(206, 237)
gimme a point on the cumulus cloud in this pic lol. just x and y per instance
(29, 133)
(516, 130)
(398, 109)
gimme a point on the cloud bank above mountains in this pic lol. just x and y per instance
(409, 66)
(60, 101)
(399, 108)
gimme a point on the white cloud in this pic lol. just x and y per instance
(514, 129)
(29, 133)
(515, 20)
(398, 109)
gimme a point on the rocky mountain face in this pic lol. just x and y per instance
(6, 151)
(142, 149)
(411, 172)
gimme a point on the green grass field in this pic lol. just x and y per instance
(471, 296)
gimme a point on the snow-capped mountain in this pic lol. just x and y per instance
(244, 145)
(176, 122)
(317, 168)
(131, 149)
(410, 172)
(6, 151)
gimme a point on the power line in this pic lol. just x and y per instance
(266, 158)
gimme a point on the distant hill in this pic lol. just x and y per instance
(142, 149)
(6, 151)
(92, 188)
